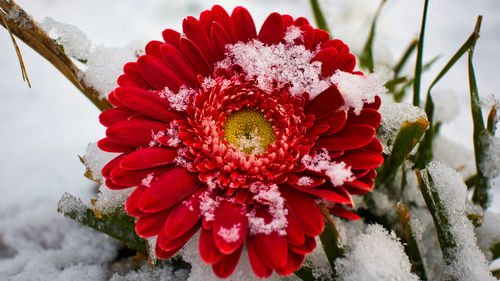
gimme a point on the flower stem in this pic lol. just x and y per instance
(418, 64)
(366, 58)
(318, 16)
(330, 240)
(26, 29)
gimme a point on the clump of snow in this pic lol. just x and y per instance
(109, 201)
(317, 261)
(454, 155)
(305, 181)
(393, 116)
(155, 136)
(180, 100)
(375, 254)
(252, 142)
(270, 196)
(74, 41)
(278, 63)
(466, 261)
(173, 133)
(321, 162)
(147, 180)
(208, 205)
(95, 159)
(231, 234)
(105, 64)
(488, 234)
(357, 89)
(160, 273)
(445, 105)
(490, 165)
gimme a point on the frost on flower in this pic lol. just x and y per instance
(375, 254)
(236, 138)
(466, 261)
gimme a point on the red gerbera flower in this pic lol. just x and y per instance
(243, 135)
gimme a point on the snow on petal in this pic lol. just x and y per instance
(321, 162)
(271, 196)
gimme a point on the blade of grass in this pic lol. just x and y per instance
(420, 52)
(305, 274)
(330, 240)
(399, 95)
(366, 57)
(318, 16)
(406, 55)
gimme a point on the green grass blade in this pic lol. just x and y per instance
(305, 274)
(406, 55)
(366, 57)
(420, 52)
(318, 16)
(329, 239)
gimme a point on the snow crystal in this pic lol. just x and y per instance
(95, 159)
(292, 33)
(104, 65)
(208, 83)
(109, 201)
(393, 116)
(147, 180)
(375, 254)
(155, 136)
(208, 205)
(321, 162)
(268, 195)
(180, 100)
(304, 181)
(468, 262)
(491, 163)
(278, 63)
(488, 234)
(71, 38)
(231, 234)
(445, 105)
(252, 141)
(357, 89)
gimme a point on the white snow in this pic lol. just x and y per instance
(180, 100)
(491, 164)
(454, 155)
(268, 195)
(321, 162)
(358, 90)
(71, 38)
(446, 105)
(466, 261)
(231, 234)
(109, 201)
(393, 116)
(208, 205)
(488, 234)
(147, 180)
(305, 181)
(281, 63)
(374, 254)
(95, 159)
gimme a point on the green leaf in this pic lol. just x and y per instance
(418, 64)
(406, 139)
(318, 16)
(330, 240)
(305, 273)
(115, 226)
(495, 250)
(366, 57)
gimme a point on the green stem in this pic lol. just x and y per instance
(330, 240)
(366, 58)
(420, 52)
(318, 16)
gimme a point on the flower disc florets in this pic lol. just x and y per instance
(241, 134)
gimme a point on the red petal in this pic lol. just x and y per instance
(195, 57)
(357, 188)
(346, 63)
(336, 122)
(294, 262)
(153, 48)
(158, 74)
(375, 105)
(374, 146)
(271, 31)
(220, 16)
(350, 137)
(258, 266)
(150, 225)
(325, 103)
(162, 254)
(287, 21)
(130, 70)
(176, 60)
(146, 103)
(307, 36)
(135, 133)
(227, 264)
(230, 227)
(367, 116)
(361, 159)
(312, 220)
(206, 21)
(171, 37)
(336, 194)
(113, 115)
(306, 248)
(149, 158)
(131, 206)
(171, 188)
(124, 81)
(132, 178)
(320, 36)
(272, 249)
(342, 212)
(301, 21)
(194, 31)
(109, 183)
(184, 215)
(208, 251)
(106, 170)
(219, 40)
(328, 58)
(167, 244)
(243, 24)
(295, 231)
(108, 146)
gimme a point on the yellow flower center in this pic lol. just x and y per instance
(249, 131)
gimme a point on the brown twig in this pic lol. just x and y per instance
(24, 28)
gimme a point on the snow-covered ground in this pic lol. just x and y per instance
(44, 128)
